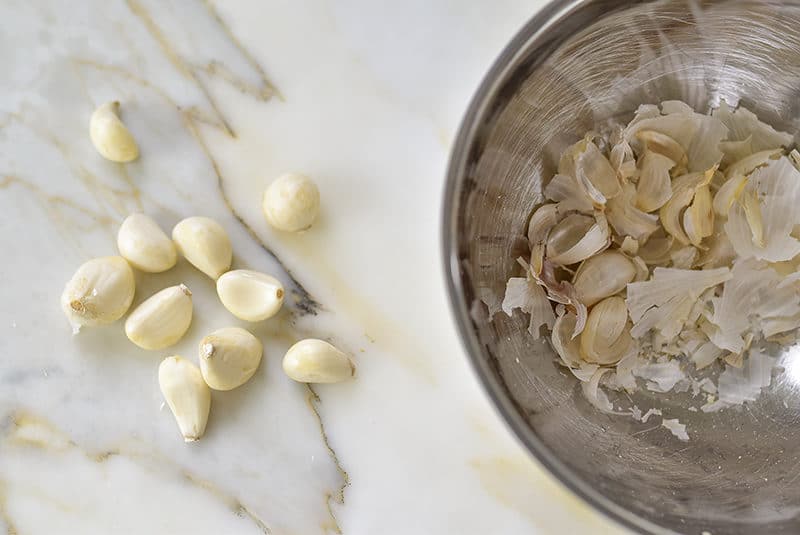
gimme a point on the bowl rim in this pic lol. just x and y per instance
(545, 19)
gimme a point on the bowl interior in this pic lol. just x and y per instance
(576, 66)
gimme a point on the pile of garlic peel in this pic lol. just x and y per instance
(667, 245)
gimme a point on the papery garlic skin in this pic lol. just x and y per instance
(162, 319)
(291, 202)
(205, 244)
(187, 395)
(110, 136)
(142, 243)
(250, 295)
(229, 357)
(99, 292)
(317, 361)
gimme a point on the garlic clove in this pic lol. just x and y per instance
(566, 345)
(663, 144)
(542, 221)
(162, 319)
(187, 395)
(655, 185)
(698, 219)
(602, 276)
(317, 361)
(205, 244)
(627, 219)
(576, 238)
(607, 335)
(684, 188)
(229, 357)
(594, 171)
(250, 295)
(142, 243)
(99, 292)
(728, 193)
(110, 136)
(291, 202)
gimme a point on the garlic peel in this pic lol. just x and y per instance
(110, 136)
(655, 186)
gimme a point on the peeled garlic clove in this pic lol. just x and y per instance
(187, 395)
(229, 357)
(317, 361)
(100, 292)
(602, 276)
(205, 244)
(250, 295)
(142, 243)
(728, 193)
(291, 202)
(162, 319)
(543, 219)
(655, 185)
(110, 136)
(576, 238)
(607, 335)
(663, 144)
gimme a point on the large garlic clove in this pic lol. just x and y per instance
(187, 395)
(142, 243)
(698, 219)
(684, 189)
(602, 276)
(99, 292)
(607, 335)
(162, 319)
(663, 144)
(655, 185)
(250, 295)
(576, 238)
(229, 357)
(291, 202)
(317, 361)
(110, 136)
(205, 244)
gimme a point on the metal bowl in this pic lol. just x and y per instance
(575, 65)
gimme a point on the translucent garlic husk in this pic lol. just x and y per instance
(698, 219)
(606, 337)
(602, 276)
(728, 193)
(542, 221)
(663, 144)
(654, 188)
(566, 345)
(684, 188)
(747, 165)
(595, 173)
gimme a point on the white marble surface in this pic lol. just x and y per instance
(223, 96)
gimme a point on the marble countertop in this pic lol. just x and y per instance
(224, 96)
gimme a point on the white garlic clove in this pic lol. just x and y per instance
(655, 186)
(317, 361)
(291, 202)
(250, 295)
(110, 136)
(142, 243)
(205, 244)
(162, 319)
(607, 335)
(576, 238)
(602, 276)
(187, 395)
(229, 357)
(99, 292)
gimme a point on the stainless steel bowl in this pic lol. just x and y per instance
(577, 64)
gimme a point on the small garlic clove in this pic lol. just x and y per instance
(602, 276)
(142, 243)
(110, 136)
(607, 335)
(576, 238)
(317, 361)
(162, 319)
(205, 244)
(291, 202)
(229, 357)
(187, 395)
(250, 295)
(99, 292)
